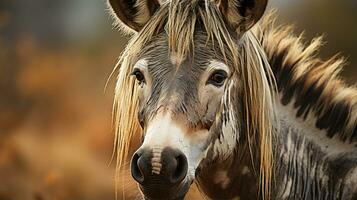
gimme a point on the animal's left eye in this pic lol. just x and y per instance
(217, 78)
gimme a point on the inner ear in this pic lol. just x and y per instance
(134, 14)
(241, 15)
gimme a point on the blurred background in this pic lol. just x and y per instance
(55, 118)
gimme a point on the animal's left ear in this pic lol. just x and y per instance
(241, 15)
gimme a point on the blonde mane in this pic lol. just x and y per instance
(178, 18)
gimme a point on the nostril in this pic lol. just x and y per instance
(181, 169)
(136, 171)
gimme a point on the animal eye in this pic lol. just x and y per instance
(138, 75)
(217, 78)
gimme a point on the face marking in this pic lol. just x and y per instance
(163, 132)
(156, 160)
(157, 132)
(215, 65)
(222, 178)
(245, 170)
(225, 146)
(142, 64)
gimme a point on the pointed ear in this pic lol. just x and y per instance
(241, 15)
(133, 14)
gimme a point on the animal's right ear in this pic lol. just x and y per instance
(134, 14)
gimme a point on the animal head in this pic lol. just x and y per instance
(193, 83)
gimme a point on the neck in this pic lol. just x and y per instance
(308, 164)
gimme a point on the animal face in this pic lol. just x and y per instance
(186, 108)
(180, 104)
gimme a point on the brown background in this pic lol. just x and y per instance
(55, 118)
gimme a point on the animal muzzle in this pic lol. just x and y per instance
(160, 173)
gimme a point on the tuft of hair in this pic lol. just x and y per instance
(311, 84)
(247, 58)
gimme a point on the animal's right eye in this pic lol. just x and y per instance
(217, 78)
(138, 75)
